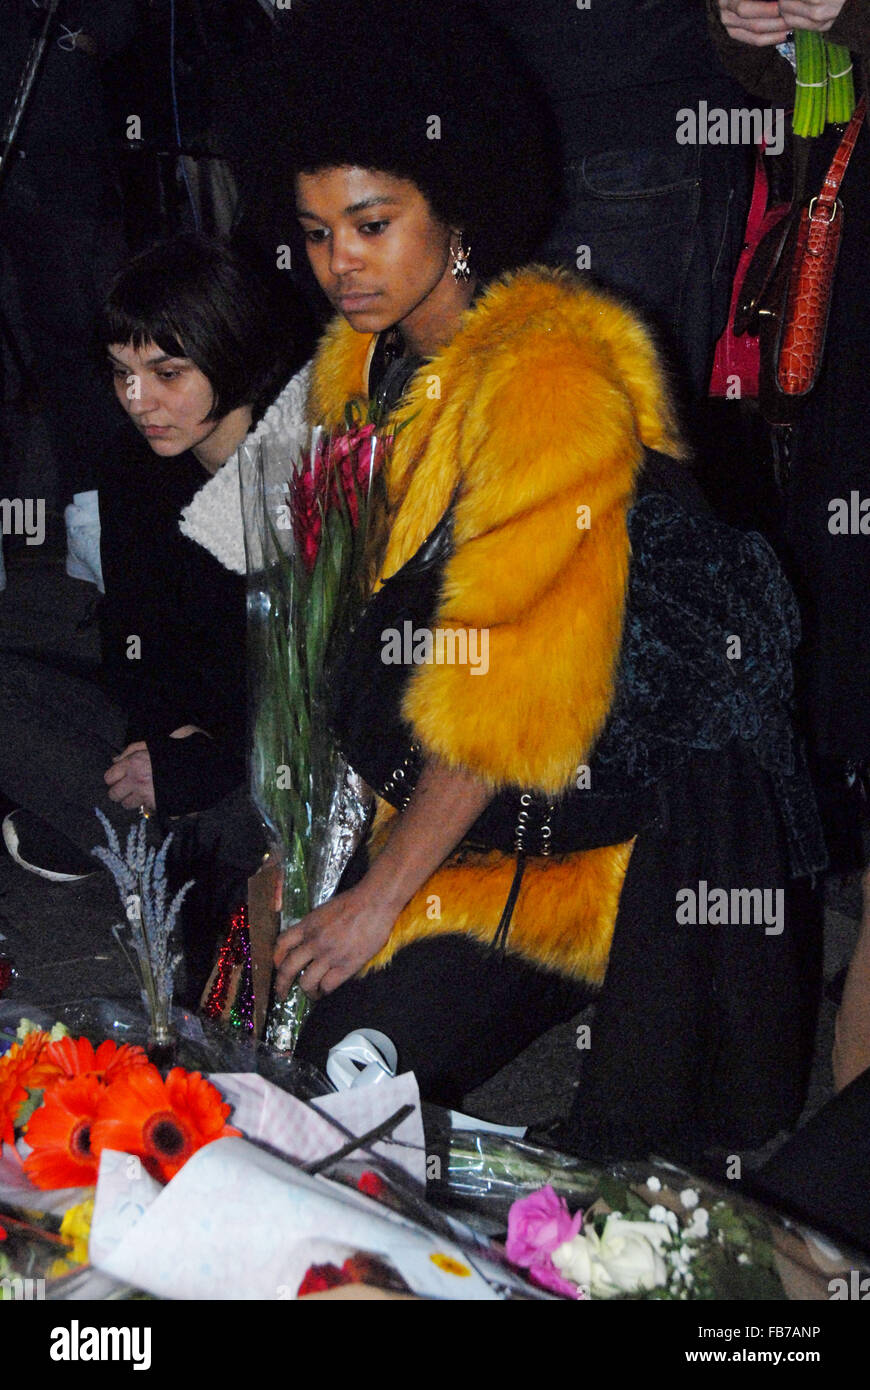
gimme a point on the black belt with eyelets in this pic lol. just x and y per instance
(524, 822)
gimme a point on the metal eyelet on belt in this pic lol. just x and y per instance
(547, 830)
(393, 785)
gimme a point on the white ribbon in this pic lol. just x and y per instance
(363, 1058)
(68, 39)
(460, 1121)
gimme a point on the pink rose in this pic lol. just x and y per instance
(548, 1277)
(538, 1225)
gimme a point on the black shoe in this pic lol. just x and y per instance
(40, 849)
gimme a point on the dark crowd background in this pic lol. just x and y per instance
(123, 143)
(162, 123)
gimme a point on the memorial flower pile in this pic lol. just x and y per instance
(68, 1101)
(642, 1240)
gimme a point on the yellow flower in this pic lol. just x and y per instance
(449, 1265)
(76, 1226)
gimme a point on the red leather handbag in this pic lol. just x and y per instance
(791, 292)
(811, 279)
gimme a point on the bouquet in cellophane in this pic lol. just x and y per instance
(309, 536)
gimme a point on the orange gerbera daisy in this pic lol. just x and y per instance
(163, 1122)
(21, 1070)
(59, 1133)
(77, 1057)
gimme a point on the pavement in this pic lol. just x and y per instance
(60, 935)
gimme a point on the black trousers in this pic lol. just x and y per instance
(681, 1057)
(59, 731)
(456, 1011)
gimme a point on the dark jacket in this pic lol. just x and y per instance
(67, 113)
(173, 631)
(616, 73)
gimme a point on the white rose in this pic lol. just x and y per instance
(630, 1253)
(625, 1258)
(574, 1258)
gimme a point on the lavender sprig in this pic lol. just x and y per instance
(140, 877)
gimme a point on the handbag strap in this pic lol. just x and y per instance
(758, 203)
(823, 206)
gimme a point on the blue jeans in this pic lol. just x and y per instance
(663, 228)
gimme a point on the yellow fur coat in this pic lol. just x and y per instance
(539, 407)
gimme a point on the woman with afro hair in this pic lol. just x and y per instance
(608, 802)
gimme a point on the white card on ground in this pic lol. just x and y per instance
(239, 1223)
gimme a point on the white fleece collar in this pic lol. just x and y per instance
(213, 517)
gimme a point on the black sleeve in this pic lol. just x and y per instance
(191, 774)
(139, 501)
(760, 70)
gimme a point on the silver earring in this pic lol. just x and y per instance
(460, 270)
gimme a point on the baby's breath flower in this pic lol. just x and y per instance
(699, 1226)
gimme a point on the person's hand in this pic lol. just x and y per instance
(130, 779)
(763, 23)
(810, 14)
(332, 943)
(336, 940)
(756, 22)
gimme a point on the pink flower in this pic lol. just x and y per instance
(305, 505)
(340, 468)
(548, 1277)
(538, 1225)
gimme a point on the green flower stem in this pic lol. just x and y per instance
(841, 87)
(487, 1162)
(295, 615)
(811, 83)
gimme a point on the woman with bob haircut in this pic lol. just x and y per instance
(197, 362)
(549, 829)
